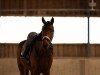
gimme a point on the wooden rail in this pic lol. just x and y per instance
(9, 50)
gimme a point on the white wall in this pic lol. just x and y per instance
(67, 29)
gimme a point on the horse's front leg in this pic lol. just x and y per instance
(46, 73)
(34, 72)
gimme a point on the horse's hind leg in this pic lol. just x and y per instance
(22, 70)
(26, 72)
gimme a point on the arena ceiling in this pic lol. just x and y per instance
(49, 7)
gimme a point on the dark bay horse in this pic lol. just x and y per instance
(40, 56)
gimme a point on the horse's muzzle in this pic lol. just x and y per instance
(46, 41)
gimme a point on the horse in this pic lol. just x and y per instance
(40, 57)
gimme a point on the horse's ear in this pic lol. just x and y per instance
(43, 20)
(52, 20)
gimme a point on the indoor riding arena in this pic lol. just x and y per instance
(75, 52)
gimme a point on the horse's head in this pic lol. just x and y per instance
(47, 32)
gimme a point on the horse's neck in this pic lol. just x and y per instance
(39, 37)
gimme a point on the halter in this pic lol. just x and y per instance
(46, 37)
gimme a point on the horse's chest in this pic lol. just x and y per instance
(44, 62)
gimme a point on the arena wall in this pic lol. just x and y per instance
(9, 50)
